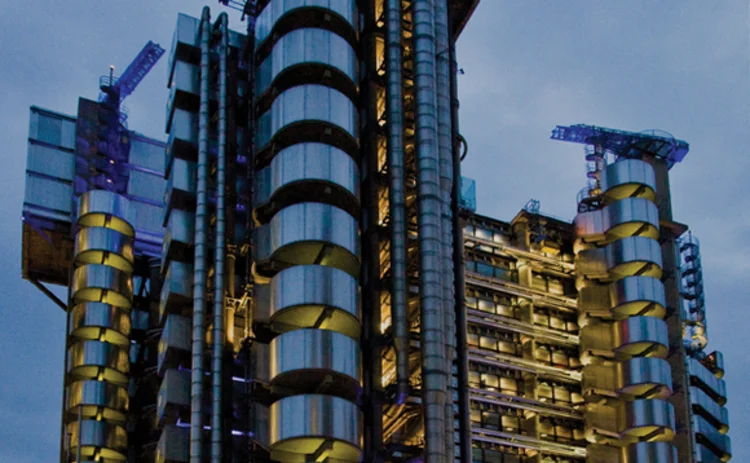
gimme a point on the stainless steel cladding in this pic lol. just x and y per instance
(99, 328)
(307, 242)
(624, 339)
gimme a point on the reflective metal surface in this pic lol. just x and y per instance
(650, 452)
(101, 208)
(709, 409)
(717, 443)
(276, 9)
(620, 219)
(638, 295)
(97, 321)
(630, 256)
(645, 377)
(101, 283)
(312, 233)
(174, 344)
(97, 245)
(301, 295)
(99, 360)
(98, 397)
(179, 237)
(627, 178)
(650, 419)
(308, 103)
(308, 46)
(712, 385)
(304, 358)
(173, 445)
(641, 336)
(99, 440)
(176, 289)
(173, 399)
(301, 424)
(308, 162)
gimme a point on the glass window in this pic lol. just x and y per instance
(485, 269)
(147, 155)
(50, 161)
(491, 420)
(483, 233)
(486, 306)
(146, 186)
(510, 423)
(49, 129)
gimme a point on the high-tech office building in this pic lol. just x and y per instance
(298, 273)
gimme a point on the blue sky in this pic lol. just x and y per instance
(681, 66)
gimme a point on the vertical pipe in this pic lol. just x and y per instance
(80, 417)
(434, 376)
(199, 270)
(462, 358)
(399, 309)
(217, 354)
(442, 72)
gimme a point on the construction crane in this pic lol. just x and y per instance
(114, 142)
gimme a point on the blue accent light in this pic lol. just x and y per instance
(625, 144)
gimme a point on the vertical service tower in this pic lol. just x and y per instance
(98, 342)
(625, 340)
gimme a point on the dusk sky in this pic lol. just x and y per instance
(678, 65)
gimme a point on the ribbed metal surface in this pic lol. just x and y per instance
(99, 438)
(311, 233)
(301, 295)
(308, 47)
(99, 327)
(626, 356)
(100, 208)
(628, 178)
(648, 452)
(94, 321)
(706, 407)
(303, 358)
(628, 217)
(308, 163)
(717, 443)
(645, 377)
(649, 419)
(308, 103)
(302, 424)
(306, 199)
(104, 246)
(277, 9)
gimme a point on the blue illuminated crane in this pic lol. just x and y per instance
(601, 141)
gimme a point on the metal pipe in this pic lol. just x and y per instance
(462, 355)
(430, 249)
(399, 309)
(442, 73)
(217, 354)
(199, 269)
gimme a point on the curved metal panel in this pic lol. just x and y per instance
(620, 219)
(97, 321)
(98, 245)
(720, 444)
(313, 233)
(102, 283)
(649, 377)
(107, 440)
(638, 295)
(704, 405)
(308, 103)
(301, 424)
(642, 336)
(648, 452)
(714, 386)
(308, 358)
(635, 255)
(300, 296)
(296, 165)
(275, 9)
(628, 178)
(100, 360)
(96, 397)
(102, 208)
(644, 418)
(308, 46)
